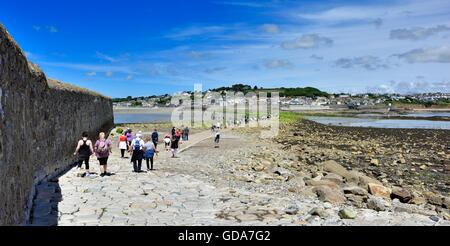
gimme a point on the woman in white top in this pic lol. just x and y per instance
(123, 144)
(217, 136)
(167, 142)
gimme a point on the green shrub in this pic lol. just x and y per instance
(119, 130)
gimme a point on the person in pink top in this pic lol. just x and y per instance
(102, 149)
(129, 135)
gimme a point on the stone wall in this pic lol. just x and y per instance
(40, 123)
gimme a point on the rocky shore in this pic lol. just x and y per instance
(413, 158)
(379, 169)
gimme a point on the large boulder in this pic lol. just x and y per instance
(410, 208)
(355, 190)
(327, 194)
(379, 191)
(374, 162)
(328, 183)
(334, 167)
(334, 178)
(322, 213)
(433, 198)
(401, 194)
(446, 202)
(418, 200)
(364, 180)
(377, 204)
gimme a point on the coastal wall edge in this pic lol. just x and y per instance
(40, 122)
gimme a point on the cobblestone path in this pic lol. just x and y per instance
(205, 186)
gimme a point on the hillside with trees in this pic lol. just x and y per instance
(284, 92)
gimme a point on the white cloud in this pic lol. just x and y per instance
(91, 74)
(317, 57)
(30, 55)
(199, 55)
(105, 57)
(342, 14)
(307, 41)
(91, 67)
(270, 28)
(370, 12)
(417, 33)
(356, 40)
(214, 69)
(109, 74)
(278, 63)
(366, 62)
(196, 31)
(52, 29)
(413, 87)
(130, 77)
(378, 22)
(427, 55)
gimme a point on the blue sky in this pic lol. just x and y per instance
(139, 48)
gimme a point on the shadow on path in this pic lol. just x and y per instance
(45, 204)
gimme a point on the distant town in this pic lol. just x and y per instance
(307, 97)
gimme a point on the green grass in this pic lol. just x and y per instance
(289, 117)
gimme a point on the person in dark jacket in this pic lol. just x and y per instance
(155, 138)
(84, 150)
(175, 145)
(186, 134)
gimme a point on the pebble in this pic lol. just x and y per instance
(292, 209)
(434, 218)
(319, 212)
(347, 214)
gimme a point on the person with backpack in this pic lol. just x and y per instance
(102, 150)
(155, 138)
(149, 153)
(123, 144)
(137, 146)
(84, 150)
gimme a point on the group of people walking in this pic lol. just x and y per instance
(102, 149)
(139, 147)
